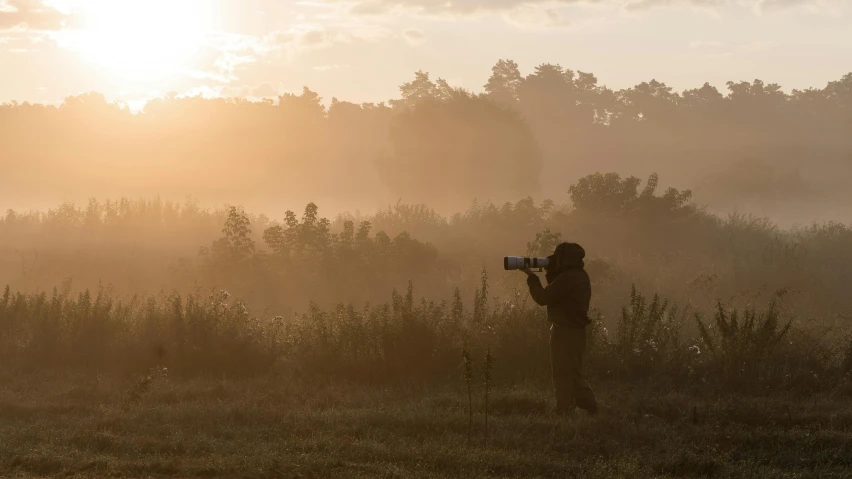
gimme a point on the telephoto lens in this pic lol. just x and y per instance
(521, 262)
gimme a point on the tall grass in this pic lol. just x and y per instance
(408, 340)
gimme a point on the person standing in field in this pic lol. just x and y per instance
(567, 298)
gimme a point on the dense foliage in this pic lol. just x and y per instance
(523, 135)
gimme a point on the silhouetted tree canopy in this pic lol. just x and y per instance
(523, 135)
(463, 146)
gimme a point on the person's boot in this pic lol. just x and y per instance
(593, 410)
(566, 412)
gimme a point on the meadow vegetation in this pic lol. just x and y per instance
(721, 340)
(150, 337)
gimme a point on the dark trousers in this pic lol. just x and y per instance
(567, 350)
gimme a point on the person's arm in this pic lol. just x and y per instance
(545, 296)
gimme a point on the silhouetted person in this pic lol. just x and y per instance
(567, 297)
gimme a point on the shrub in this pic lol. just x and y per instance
(741, 344)
(647, 334)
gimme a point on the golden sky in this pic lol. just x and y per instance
(362, 50)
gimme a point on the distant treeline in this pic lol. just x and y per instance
(655, 238)
(522, 135)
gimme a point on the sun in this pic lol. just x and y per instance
(140, 40)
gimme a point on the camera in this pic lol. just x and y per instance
(521, 262)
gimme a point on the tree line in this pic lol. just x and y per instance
(521, 135)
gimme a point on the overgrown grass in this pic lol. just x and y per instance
(753, 350)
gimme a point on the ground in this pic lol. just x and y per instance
(55, 424)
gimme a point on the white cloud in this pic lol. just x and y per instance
(757, 46)
(30, 14)
(535, 17)
(634, 5)
(759, 6)
(414, 37)
(705, 44)
(719, 50)
(205, 91)
(226, 54)
(436, 7)
(330, 68)
(254, 93)
(812, 6)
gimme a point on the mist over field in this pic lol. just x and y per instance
(452, 179)
(254, 283)
(749, 146)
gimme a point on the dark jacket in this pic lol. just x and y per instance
(567, 296)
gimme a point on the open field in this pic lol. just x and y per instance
(72, 425)
(751, 386)
(266, 238)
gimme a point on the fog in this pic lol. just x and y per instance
(750, 146)
(348, 202)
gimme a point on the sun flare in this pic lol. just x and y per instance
(140, 40)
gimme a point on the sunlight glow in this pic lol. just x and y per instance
(140, 40)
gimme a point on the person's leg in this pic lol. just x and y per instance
(583, 395)
(560, 361)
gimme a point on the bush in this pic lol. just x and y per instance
(741, 345)
(648, 334)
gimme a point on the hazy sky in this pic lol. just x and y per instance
(362, 50)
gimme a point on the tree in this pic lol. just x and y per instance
(502, 86)
(610, 195)
(306, 105)
(649, 101)
(422, 89)
(547, 95)
(449, 151)
(236, 245)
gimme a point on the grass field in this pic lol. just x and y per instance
(55, 424)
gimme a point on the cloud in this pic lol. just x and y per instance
(436, 7)
(815, 6)
(226, 55)
(719, 50)
(757, 46)
(414, 37)
(328, 68)
(704, 44)
(257, 92)
(773, 4)
(533, 17)
(205, 91)
(759, 6)
(30, 14)
(636, 5)
(314, 37)
(264, 90)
